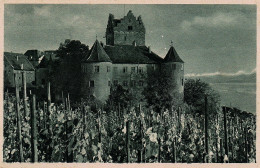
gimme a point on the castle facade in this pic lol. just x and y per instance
(126, 60)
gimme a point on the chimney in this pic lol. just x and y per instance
(17, 58)
(21, 66)
(149, 49)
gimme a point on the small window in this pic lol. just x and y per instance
(109, 83)
(115, 69)
(125, 83)
(96, 68)
(115, 82)
(140, 70)
(91, 83)
(108, 68)
(125, 69)
(133, 69)
(174, 66)
(153, 67)
(125, 38)
(141, 83)
(130, 27)
(133, 83)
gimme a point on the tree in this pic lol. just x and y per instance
(158, 93)
(66, 72)
(195, 91)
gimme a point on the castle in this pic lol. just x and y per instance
(126, 60)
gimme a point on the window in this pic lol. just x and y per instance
(108, 68)
(130, 27)
(174, 66)
(133, 69)
(109, 83)
(125, 69)
(125, 38)
(133, 83)
(140, 70)
(125, 83)
(115, 69)
(96, 68)
(153, 67)
(141, 83)
(91, 84)
(115, 82)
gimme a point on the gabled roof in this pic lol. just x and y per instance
(132, 54)
(97, 54)
(172, 56)
(16, 60)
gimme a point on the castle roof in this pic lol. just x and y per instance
(132, 54)
(16, 60)
(172, 56)
(97, 54)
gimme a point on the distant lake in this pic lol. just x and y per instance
(240, 95)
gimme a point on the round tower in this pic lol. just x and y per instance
(97, 73)
(173, 68)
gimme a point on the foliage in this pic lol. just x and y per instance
(158, 93)
(65, 73)
(84, 135)
(195, 91)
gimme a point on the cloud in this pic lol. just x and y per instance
(218, 19)
(221, 73)
(42, 11)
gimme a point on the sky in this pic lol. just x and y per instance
(211, 39)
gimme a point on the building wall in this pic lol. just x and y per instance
(132, 75)
(128, 38)
(125, 32)
(30, 77)
(9, 76)
(101, 88)
(175, 72)
(135, 79)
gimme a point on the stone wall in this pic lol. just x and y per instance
(124, 74)
(128, 38)
(175, 72)
(126, 31)
(9, 77)
(101, 79)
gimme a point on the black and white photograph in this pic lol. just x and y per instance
(129, 83)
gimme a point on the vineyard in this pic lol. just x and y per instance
(41, 131)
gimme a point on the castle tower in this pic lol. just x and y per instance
(97, 72)
(125, 31)
(173, 67)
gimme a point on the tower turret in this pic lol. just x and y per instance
(173, 67)
(96, 68)
(125, 31)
